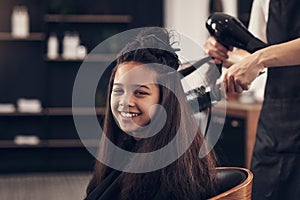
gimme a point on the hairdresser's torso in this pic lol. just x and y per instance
(276, 157)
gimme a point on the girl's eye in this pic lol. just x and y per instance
(140, 93)
(117, 91)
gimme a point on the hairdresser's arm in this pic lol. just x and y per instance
(240, 75)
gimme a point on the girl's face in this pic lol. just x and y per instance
(134, 92)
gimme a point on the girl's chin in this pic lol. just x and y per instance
(133, 131)
(129, 130)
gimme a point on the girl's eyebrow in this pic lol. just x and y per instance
(135, 85)
(143, 86)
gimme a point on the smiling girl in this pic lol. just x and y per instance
(141, 84)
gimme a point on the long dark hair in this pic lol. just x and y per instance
(189, 177)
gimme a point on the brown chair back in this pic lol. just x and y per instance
(241, 191)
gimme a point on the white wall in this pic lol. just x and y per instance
(188, 17)
(230, 7)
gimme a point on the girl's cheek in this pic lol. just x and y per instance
(114, 102)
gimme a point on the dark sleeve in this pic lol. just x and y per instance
(107, 189)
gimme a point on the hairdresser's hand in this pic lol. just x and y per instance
(216, 50)
(240, 75)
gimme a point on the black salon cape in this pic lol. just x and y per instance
(276, 156)
(110, 189)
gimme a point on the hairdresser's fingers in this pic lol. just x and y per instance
(217, 45)
(225, 83)
(230, 48)
(238, 87)
(246, 86)
(215, 53)
(217, 61)
(230, 88)
(215, 50)
(243, 85)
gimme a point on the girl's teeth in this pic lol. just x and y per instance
(125, 114)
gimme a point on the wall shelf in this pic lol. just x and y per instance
(71, 143)
(52, 143)
(88, 18)
(7, 36)
(12, 144)
(61, 59)
(17, 113)
(79, 111)
(64, 111)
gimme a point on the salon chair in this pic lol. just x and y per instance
(233, 183)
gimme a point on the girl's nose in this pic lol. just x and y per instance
(126, 100)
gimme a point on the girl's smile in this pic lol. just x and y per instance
(128, 114)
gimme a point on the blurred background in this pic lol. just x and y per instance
(42, 45)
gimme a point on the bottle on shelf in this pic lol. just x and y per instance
(7, 108)
(72, 49)
(81, 52)
(66, 46)
(52, 50)
(20, 22)
(29, 105)
(70, 43)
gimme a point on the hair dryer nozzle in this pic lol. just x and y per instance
(229, 31)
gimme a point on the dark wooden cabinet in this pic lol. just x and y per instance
(237, 139)
(231, 145)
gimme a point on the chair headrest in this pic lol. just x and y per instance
(229, 178)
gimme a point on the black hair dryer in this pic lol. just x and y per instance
(229, 31)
